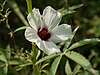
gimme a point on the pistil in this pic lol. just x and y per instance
(44, 34)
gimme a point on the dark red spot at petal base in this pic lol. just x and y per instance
(44, 34)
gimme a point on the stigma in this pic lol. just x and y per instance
(44, 34)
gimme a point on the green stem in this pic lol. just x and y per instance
(34, 51)
(29, 5)
(34, 54)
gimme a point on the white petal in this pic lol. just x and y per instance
(51, 17)
(47, 47)
(61, 33)
(40, 45)
(50, 47)
(34, 19)
(31, 35)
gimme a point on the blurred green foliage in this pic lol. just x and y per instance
(86, 17)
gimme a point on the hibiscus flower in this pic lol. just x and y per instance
(45, 30)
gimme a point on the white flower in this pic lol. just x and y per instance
(44, 30)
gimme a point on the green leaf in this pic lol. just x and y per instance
(64, 11)
(38, 54)
(16, 9)
(75, 7)
(3, 69)
(13, 71)
(8, 52)
(69, 10)
(20, 62)
(68, 42)
(14, 62)
(3, 62)
(68, 68)
(19, 67)
(76, 69)
(84, 42)
(5, 54)
(94, 72)
(84, 73)
(44, 65)
(47, 58)
(2, 56)
(45, 71)
(54, 65)
(20, 28)
(78, 58)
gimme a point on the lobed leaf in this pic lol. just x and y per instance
(84, 42)
(69, 10)
(68, 70)
(68, 42)
(4, 69)
(64, 11)
(46, 58)
(54, 65)
(8, 52)
(76, 69)
(4, 60)
(75, 7)
(2, 56)
(78, 58)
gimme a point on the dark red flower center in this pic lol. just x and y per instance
(44, 34)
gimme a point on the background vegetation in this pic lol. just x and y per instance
(86, 17)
